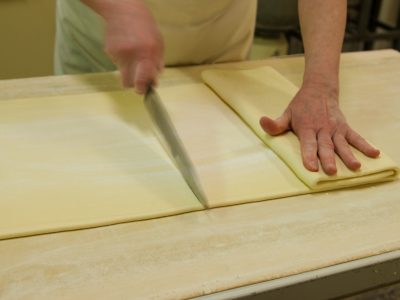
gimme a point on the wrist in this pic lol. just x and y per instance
(327, 84)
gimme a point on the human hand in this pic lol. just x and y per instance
(134, 44)
(314, 116)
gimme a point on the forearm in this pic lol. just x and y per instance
(322, 26)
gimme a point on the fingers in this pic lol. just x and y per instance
(343, 149)
(278, 126)
(308, 141)
(326, 152)
(140, 76)
(146, 74)
(309, 148)
(326, 146)
(126, 75)
(322, 146)
(361, 144)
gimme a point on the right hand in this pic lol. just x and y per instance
(134, 44)
(315, 117)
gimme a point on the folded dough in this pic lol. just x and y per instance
(233, 165)
(263, 91)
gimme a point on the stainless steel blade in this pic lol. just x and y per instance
(172, 142)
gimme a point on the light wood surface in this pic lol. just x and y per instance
(208, 251)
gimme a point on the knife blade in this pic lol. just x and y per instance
(172, 143)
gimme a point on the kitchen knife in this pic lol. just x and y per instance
(171, 141)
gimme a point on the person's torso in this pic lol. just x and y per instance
(194, 31)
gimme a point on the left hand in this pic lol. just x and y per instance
(315, 117)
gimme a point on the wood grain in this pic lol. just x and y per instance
(204, 252)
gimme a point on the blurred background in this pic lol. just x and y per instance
(27, 29)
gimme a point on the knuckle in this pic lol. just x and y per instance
(126, 48)
(310, 145)
(326, 145)
(309, 156)
(150, 45)
(141, 82)
(339, 140)
(340, 131)
(353, 135)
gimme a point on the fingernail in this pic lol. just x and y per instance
(376, 153)
(356, 164)
(331, 170)
(313, 166)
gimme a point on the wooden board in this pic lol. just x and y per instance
(204, 252)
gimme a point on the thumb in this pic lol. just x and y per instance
(145, 75)
(278, 126)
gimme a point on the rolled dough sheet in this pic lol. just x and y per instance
(72, 162)
(80, 161)
(263, 91)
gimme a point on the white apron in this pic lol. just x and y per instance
(194, 32)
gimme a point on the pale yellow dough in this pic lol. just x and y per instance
(80, 161)
(263, 91)
(233, 165)
(72, 162)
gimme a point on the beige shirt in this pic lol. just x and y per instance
(194, 32)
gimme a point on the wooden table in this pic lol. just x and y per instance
(336, 240)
